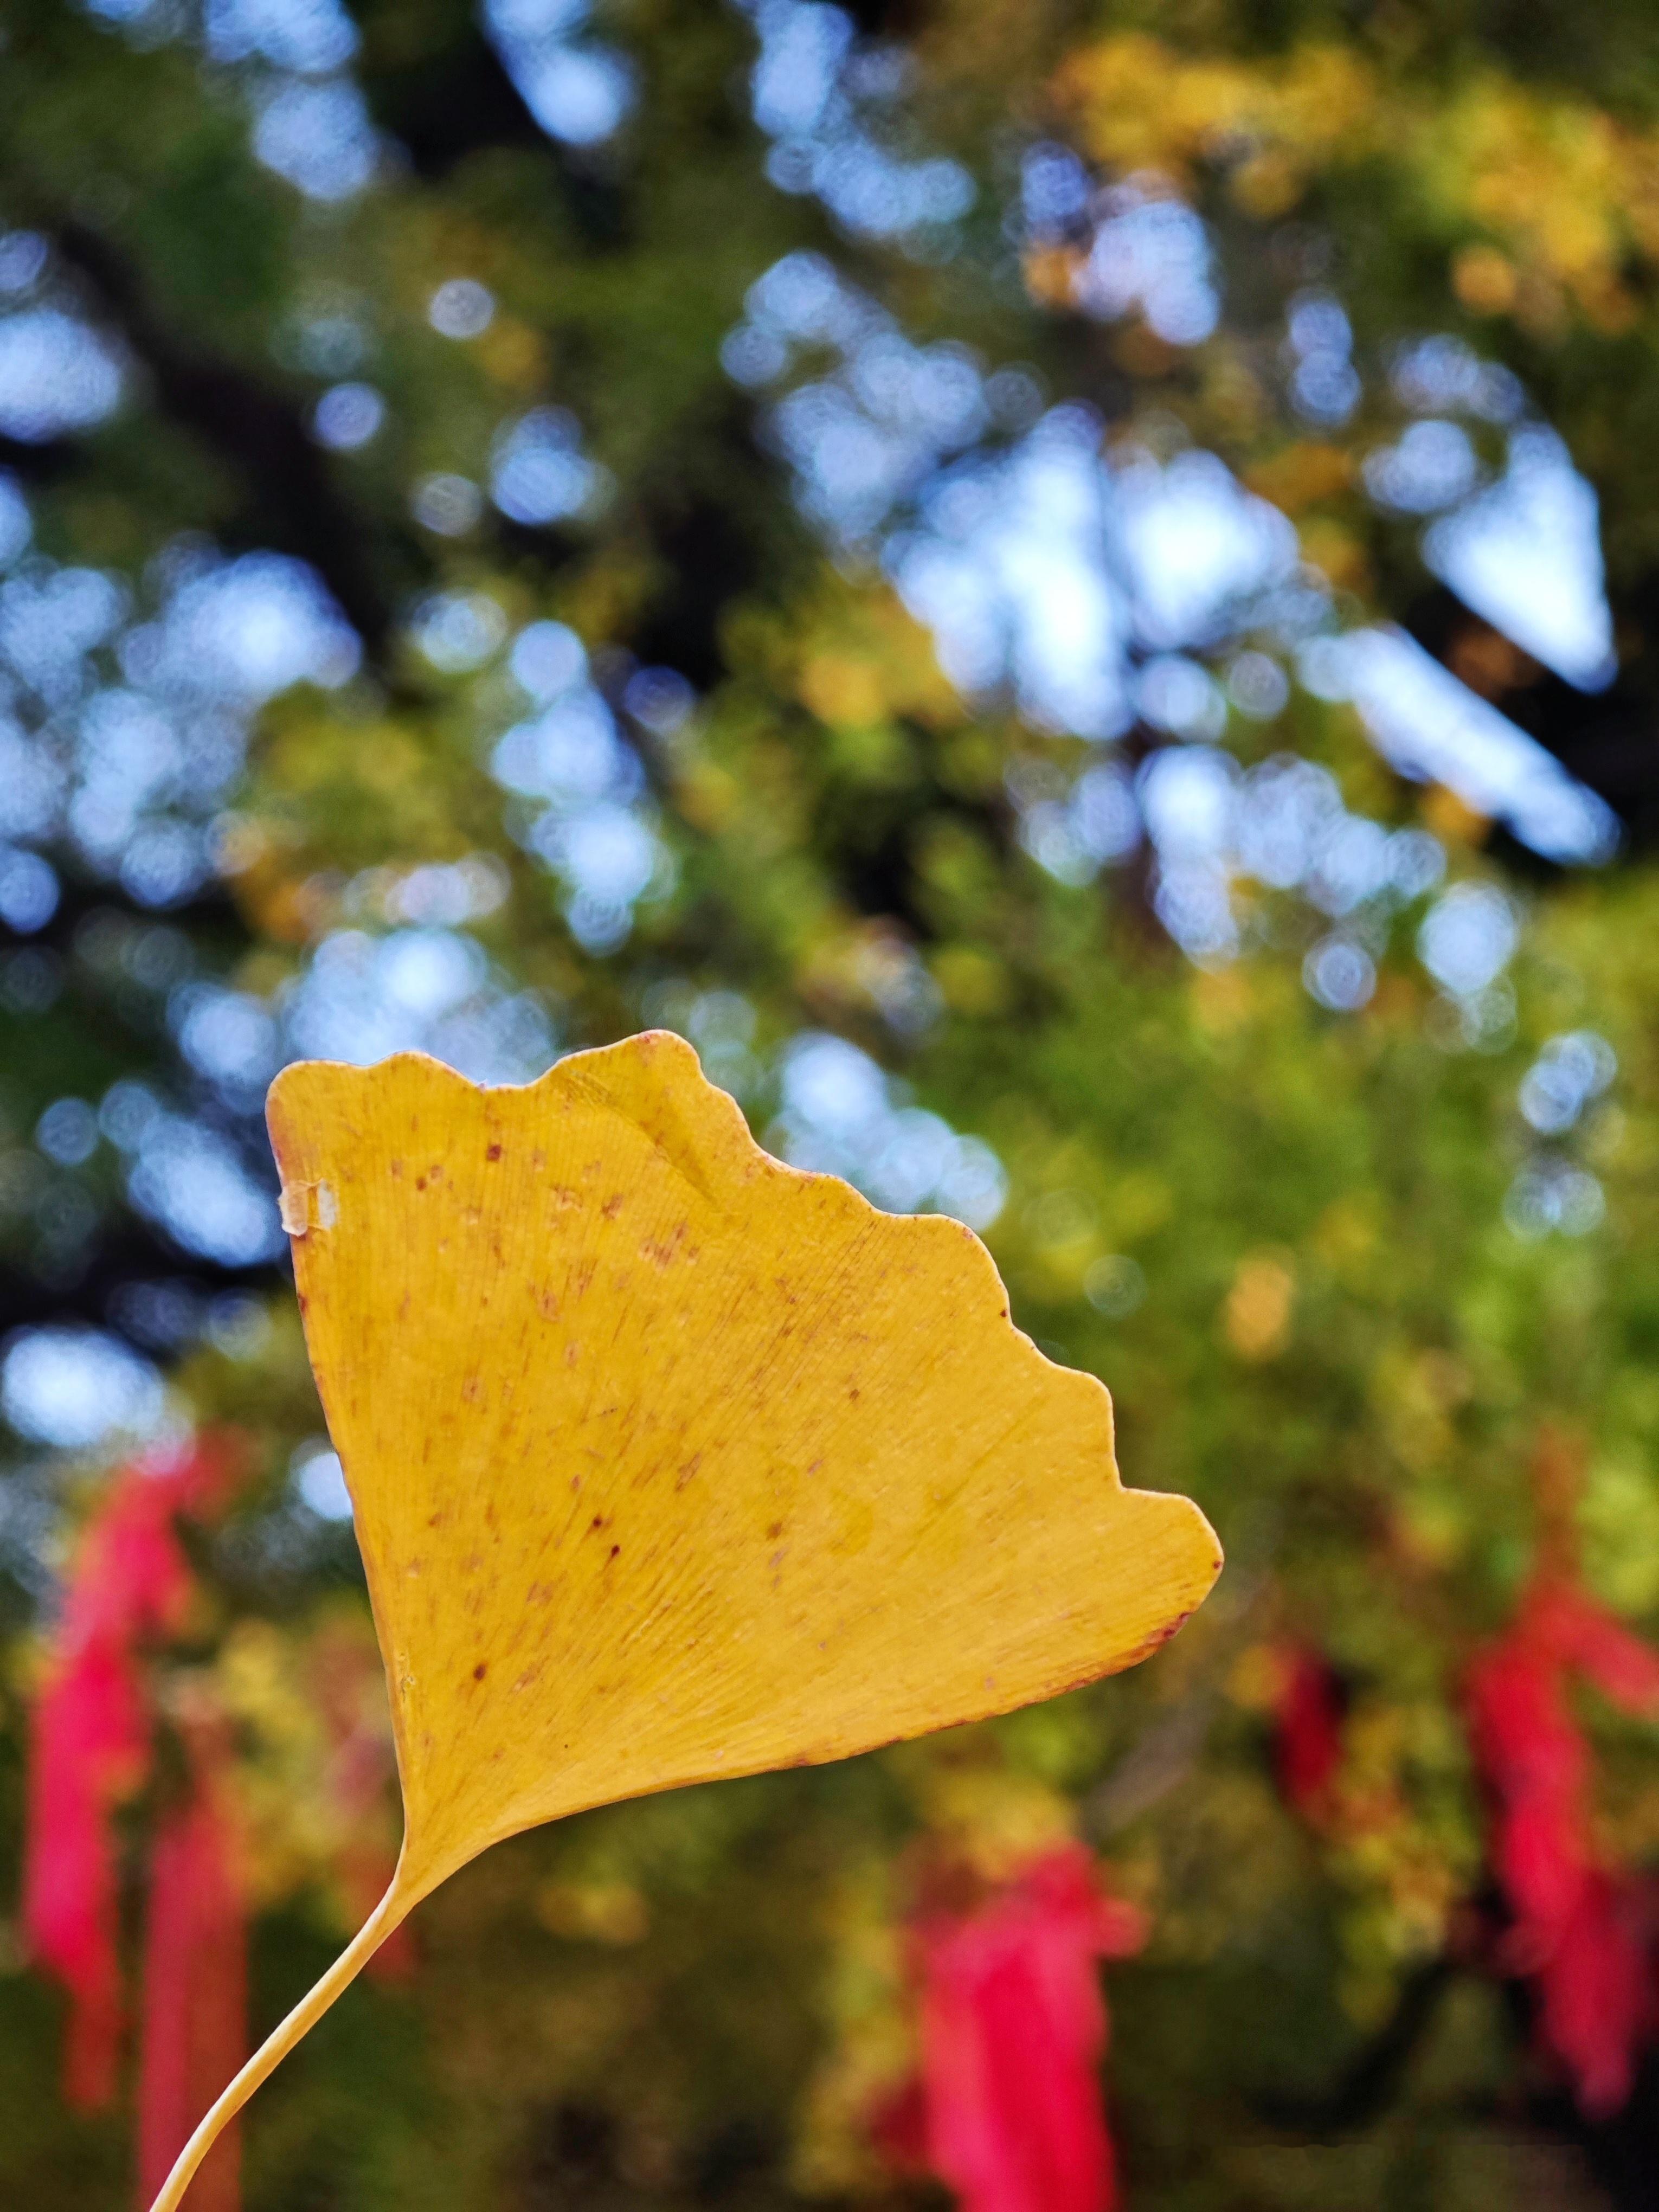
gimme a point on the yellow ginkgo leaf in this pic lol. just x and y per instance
(670, 1463)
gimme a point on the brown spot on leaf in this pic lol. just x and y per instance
(481, 1670)
(494, 1152)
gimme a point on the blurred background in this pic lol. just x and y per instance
(1071, 591)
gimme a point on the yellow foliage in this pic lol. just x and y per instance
(1051, 275)
(993, 1820)
(381, 759)
(1224, 1001)
(1558, 193)
(1451, 817)
(860, 658)
(594, 1911)
(1256, 1316)
(708, 798)
(1257, 1679)
(316, 1756)
(514, 355)
(1338, 553)
(1484, 280)
(261, 882)
(282, 905)
(617, 1214)
(1301, 475)
(670, 1463)
(838, 690)
(1143, 107)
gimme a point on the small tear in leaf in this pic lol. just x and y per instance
(304, 1207)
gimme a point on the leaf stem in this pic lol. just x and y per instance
(391, 1909)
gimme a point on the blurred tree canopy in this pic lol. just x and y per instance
(1070, 591)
